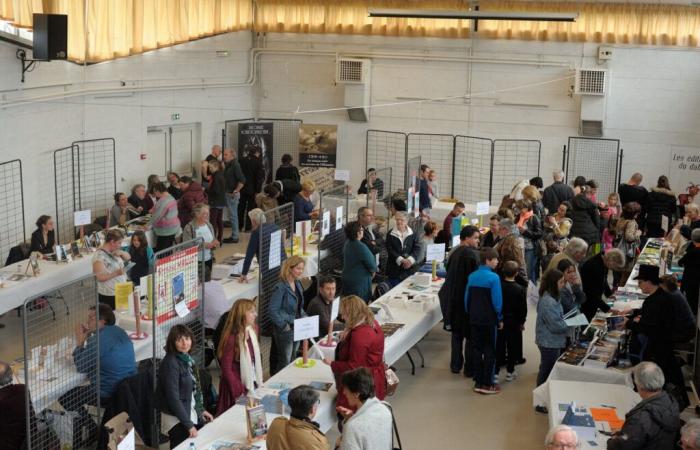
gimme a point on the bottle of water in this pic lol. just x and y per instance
(192, 446)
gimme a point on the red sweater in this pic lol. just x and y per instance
(363, 347)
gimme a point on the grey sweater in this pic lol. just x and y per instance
(369, 428)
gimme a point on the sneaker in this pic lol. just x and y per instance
(477, 388)
(490, 390)
(231, 241)
(510, 376)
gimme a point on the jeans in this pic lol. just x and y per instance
(532, 263)
(232, 205)
(548, 357)
(285, 348)
(483, 339)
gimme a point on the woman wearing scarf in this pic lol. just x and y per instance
(239, 355)
(530, 227)
(180, 393)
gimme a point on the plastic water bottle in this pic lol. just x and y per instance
(192, 446)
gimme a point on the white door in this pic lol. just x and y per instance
(181, 147)
(157, 144)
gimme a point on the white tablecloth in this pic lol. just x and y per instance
(48, 384)
(568, 372)
(231, 425)
(591, 395)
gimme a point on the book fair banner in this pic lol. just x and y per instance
(177, 284)
(256, 138)
(318, 145)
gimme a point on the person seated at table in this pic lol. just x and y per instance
(200, 227)
(359, 265)
(43, 238)
(179, 391)
(561, 437)
(491, 237)
(322, 306)
(367, 423)
(303, 206)
(108, 266)
(550, 329)
(174, 185)
(286, 305)
(13, 427)
(428, 238)
(372, 183)
(192, 193)
(445, 234)
(653, 423)
(164, 221)
(140, 200)
(239, 355)
(361, 345)
(141, 255)
(684, 319)
(299, 432)
(260, 229)
(267, 199)
(119, 213)
(116, 357)
(403, 248)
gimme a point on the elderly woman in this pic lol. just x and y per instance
(575, 251)
(108, 266)
(550, 329)
(303, 206)
(359, 265)
(561, 437)
(286, 305)
(691, 220)
(43, 238)
(403, 247)
(200, 227)
(164, 220)
(594, 278)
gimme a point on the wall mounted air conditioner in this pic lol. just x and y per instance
(355, 75)
(592, 86)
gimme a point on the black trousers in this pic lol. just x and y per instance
(163, 242)
(461, 359)
(483, 339)
(245, 204)
(509, 346)
(108, 300)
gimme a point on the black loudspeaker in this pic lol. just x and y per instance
(50, 36)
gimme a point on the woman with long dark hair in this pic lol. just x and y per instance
(141, 255)
(43, 238)
(551, 329)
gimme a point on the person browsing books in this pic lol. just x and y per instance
(108, 266)
(299, 432)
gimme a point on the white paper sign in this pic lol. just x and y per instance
(339, 218)
(664, 223)
(416, 205)
(435, 252)
(300, 225)
(455, 241)
(305, 328)
(342, 175)
(129, 441)
(475, 221)
(335, 308)
(326, 224)
(82, 218)
(275, 248)
(181, 309)
(482, 208)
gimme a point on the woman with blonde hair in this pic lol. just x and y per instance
(532, 194)
(361, 345)
(239, 355)
(286, 305)
(303, 206)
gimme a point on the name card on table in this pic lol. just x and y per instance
(435, 252)
(305, 328)
(335, 308)
(81, 218)
(326, 224)
(482, 208)
(342, 175)
(275, 249)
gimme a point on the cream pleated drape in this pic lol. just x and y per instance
(124, 27)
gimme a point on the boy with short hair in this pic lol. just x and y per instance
(510, 338)
(483, 301)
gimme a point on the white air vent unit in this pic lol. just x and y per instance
(591, 81)
(355, 75)
(592, 86)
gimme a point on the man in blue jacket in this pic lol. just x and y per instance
(483, 301)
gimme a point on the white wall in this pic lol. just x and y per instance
(652, 106)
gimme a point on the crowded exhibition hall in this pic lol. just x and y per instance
(352, 225)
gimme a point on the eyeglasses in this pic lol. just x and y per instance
(564, 446)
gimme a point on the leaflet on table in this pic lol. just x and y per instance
(579, 320)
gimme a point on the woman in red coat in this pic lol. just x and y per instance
(239, 355)
(361, 345)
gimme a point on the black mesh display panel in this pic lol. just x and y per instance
(12, 221)
(435, 150)
(473, 159)
(596, 159)
(387, 149)
(513, 160)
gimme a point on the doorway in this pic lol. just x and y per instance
(173, 148)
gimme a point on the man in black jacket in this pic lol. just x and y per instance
(371, 237)
(594, 280)
(254, 172)
(654, 422)
(633, 191)
(556, 193)
(234, 183)
(463, 261)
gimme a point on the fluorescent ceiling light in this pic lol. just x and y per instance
(478, 15)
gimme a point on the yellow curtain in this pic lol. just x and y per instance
(125, 27)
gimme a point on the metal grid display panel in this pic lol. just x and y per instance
(279, 220)
(65, 188)
(63, 389)
(437, 150)
(11, 207)
(387, 149)
(596, 159)
(383, 191)
(513, 161)
(330, 248)
(96, 175)
(473, 158)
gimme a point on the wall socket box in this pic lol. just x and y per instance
(605, 53)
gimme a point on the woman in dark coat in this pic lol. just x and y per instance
(585, 219)
(43, 238)
(690, 283)
(287, 171)
(661, 202)
(359, 265)
(594, 280)
(403, 247)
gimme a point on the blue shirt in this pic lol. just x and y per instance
(485, 295)
(117, 358)
(302, 208)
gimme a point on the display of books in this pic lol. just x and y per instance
(256, 421)
(389, 328)
(221, 444)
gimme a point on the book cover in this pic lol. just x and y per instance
(321, 385)
(257, 422)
